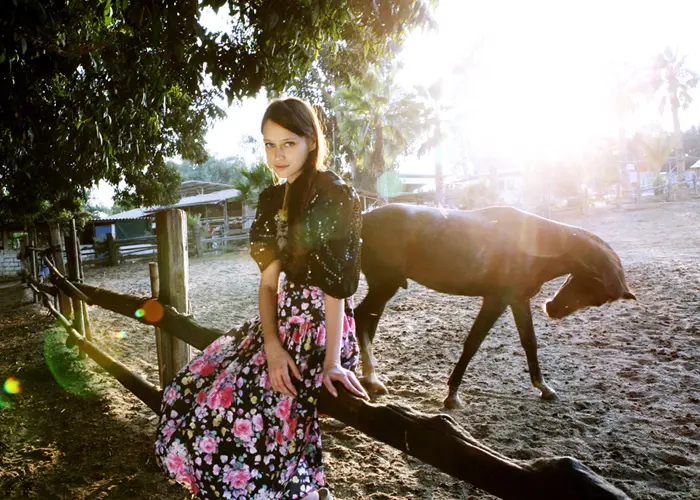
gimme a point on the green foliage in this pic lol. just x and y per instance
(252, 181)
(108, 89)
(378, 121)
(224, 171)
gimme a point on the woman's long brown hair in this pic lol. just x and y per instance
(299, 117)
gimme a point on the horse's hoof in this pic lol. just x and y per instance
(549, 395)
(373, 386)
(453, 403)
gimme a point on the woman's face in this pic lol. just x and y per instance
(286, 152)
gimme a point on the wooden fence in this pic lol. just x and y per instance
(437, 440)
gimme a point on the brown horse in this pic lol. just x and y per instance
(502, 254)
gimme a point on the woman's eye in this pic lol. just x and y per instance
(289, 144)
(269, 145)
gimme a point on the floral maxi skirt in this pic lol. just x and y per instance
(226, 433)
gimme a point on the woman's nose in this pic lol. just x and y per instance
(279, 154)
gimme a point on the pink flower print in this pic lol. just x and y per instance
(290, 428)
(305, 327)
(283, 408)
(305, 293)
(216, 469)
(169, 430)
(259, 359)
(319, 477)
(243, 429)
(237, 478)
(188, 480)
(175, 462)
(304, 306)
(220, 398)
(171, 395)
(207, 369)
(296, 338)
(214, 347)
(295, 310)
(279, 438)
(282, 331)
(207, 444)
(265, 380)
(201, 397)
(197, 364)
(296, 320)
(258, 422)
(322, 335)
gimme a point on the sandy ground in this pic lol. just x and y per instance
(627, 374)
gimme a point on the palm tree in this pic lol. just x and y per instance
(377, 121)
(670, 77)
(252, 181)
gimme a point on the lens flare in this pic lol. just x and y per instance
(140, 313)
(121, 335)
(12, 386)
(152, 311)
(389, 184)
(65, 366)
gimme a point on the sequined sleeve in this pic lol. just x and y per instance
(334, 221)
(263, 232)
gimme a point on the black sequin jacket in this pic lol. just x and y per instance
(324, 247)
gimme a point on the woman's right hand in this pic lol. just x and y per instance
(279, 362)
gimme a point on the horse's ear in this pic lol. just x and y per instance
(629, 295)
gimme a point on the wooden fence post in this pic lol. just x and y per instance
(5, 240)
(112, 250)
(199, 251)
(81, 279)
(74, 276)
(66, 307)
(173, 270)
(224, 233)
(153, 269)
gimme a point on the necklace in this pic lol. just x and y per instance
(281, 220)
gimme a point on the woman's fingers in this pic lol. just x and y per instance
(287, 382)
(358, 389)
(293, 367)
(329, 386)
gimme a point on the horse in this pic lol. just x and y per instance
(502, 254)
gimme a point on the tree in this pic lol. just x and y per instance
(252, 181)
(108, 89)
(378, 121)
(671, 79)
(223, 171)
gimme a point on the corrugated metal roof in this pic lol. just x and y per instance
(187, 201)
(200, 199)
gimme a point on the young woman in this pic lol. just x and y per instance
(240, 420)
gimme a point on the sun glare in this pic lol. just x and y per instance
(538, 83)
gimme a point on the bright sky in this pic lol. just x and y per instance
(536, 83)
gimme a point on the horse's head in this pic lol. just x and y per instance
(599, 281)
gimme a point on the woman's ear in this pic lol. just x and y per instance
(312, 144)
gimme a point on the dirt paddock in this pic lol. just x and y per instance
(627, 375)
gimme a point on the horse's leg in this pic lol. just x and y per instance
(491, 310)
(523, 321)
(367, 316)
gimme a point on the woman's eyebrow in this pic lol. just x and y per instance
(283, 139)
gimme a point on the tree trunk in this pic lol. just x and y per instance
(439, 178)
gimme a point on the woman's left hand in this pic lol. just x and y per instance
(337, 373)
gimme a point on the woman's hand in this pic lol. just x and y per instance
(279, 362)
(336, 373)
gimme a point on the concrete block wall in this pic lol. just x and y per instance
(9, 265)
